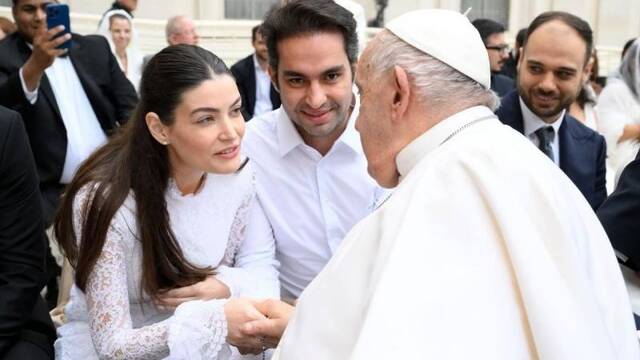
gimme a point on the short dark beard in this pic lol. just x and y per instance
(562, 105)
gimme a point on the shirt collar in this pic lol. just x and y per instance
(416, 150)
(533, 122)
(256, 64)
(289, 138)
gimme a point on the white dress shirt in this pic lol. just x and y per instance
(533, 122)
(84, 133)
(311, 200)
(618, 107)
(263, 90)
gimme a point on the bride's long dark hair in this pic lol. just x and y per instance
(134, 161)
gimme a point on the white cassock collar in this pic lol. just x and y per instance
(411, 155)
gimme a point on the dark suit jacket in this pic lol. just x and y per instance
(22, 241)
(582, 150)
(501, 84)
(111, 95)
(244, 72)
(620, 214)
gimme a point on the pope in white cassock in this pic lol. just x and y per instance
(485, 250)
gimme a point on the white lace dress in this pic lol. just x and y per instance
(223, 226)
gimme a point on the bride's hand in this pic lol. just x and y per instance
(207, 289)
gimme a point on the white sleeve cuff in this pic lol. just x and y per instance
(198, 330)
(233, 278)
(32, 96)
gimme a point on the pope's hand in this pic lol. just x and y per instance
(207, 289)
(272, 327)
(238, 313)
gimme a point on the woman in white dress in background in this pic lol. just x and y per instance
(619, 111)
(118, 30)
(163, 217)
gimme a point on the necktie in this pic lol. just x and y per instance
(545, 136)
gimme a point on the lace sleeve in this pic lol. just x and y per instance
(110, 322)
(250, 269)
(108, 307)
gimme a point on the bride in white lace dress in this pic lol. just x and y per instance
(163, 228)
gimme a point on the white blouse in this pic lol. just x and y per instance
(222, 226)
(617, 107)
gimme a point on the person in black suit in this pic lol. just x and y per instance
(553, 66)
(256, 90)
(620, 217)
(492, 35)
(69, 101)
(26, 330)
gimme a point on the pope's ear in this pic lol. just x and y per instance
(401, 93)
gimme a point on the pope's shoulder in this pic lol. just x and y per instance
(491, 145)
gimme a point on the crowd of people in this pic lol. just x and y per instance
(434, 194)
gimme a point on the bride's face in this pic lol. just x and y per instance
(208, 127)
(120, 32)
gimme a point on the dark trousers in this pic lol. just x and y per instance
(26, 350)
(36, 339)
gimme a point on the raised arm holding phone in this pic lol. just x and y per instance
(45, 51)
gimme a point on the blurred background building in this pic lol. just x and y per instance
(225, 24)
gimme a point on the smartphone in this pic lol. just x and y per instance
(58, 14)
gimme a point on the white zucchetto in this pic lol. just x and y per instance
(447, 36)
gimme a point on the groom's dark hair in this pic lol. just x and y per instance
(308, 17)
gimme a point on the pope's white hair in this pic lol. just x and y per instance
(436, 82)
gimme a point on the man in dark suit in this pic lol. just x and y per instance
(256, 90)
(26, 58)
(492, 35)
(620, 217)
(70, 102)
(552, 68)
(26, 330)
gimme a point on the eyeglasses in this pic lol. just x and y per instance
(500, 48)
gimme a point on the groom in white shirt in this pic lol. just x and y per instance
(311, 173)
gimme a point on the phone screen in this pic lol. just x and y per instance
(58, 14)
